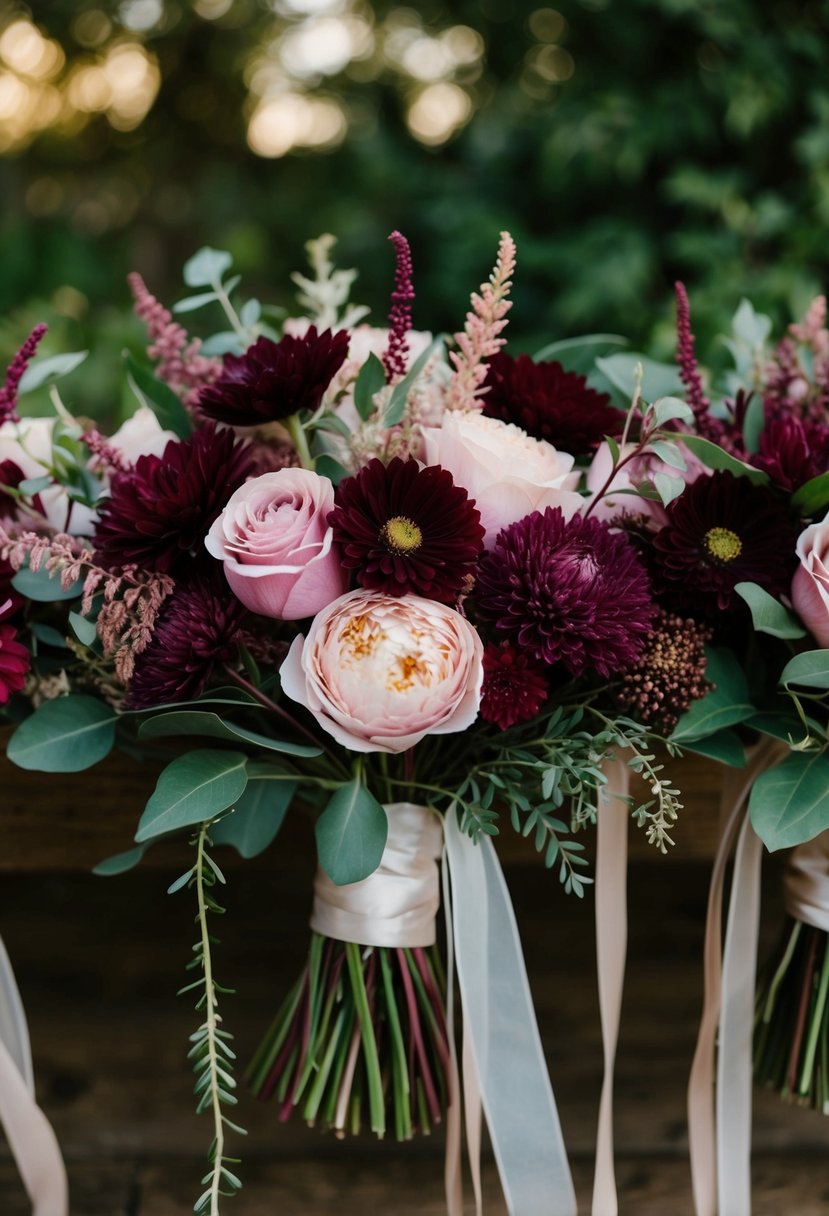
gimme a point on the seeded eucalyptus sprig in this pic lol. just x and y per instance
(211, 1053)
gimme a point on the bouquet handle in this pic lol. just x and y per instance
(29, 1133)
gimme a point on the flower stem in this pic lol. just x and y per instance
(300, 441)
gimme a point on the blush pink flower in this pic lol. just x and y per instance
(277, 547)
(508, 473)
(810, 585)
(379, 672)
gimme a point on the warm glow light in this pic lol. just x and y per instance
(292, 120)
(212, 10)
(319, 46)
(437, 112)
(427, 58)
(464, 44)
(88, 88)
(547, 24)
(140, 15)
(291, 7)
(21, 45)
(552, 62)
(13, 95)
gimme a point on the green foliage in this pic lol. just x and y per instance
(46, 371)
(351, 833)
(158, 397)
(66, 735)
(191, 789)
(256, 818)
(808, 670)
(790, 803)
(768, 615)
(42, 587)
(201, 722)
(728, 703)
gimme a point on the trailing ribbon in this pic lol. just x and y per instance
(720, 1137)
(503, 1040)
(28, 1131)
(611, 948)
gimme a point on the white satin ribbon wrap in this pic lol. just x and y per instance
(398, 903)
(28, 1131)
(806, 883)
(503, 1040)
(719, 1133)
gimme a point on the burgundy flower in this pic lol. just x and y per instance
(275, 379)
(407, 529)
(514, 687)
(159, 511)
(570, 591)
(197, 630)
(723, 530)
(11, 476)
(14, 662)
(549, 403)
(668, 675)
(793, 451)
(14, 374)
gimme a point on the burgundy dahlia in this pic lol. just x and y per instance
(197, 630)
(793, 451)
(407, 529)
(159, 511)
(11, 476)
(273, 380)
(14, 663)
(723, 530)
(668, 675)
(549, 403)
(567, 591)
(514, 687)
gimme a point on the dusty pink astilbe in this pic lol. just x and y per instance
(480, 337)
(14, 374)
(106, 454)
(131, 599)
(395, 359)
(178, 359)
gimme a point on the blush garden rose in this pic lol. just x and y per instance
(277, 547)
(378, 672)
(810, 585)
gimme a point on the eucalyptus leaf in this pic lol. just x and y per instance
(205, 268)
(579, 354)
(84, 630)
(191, 303)
(226, 342)
(667, 487)
(192, 789)
(724, 746)
(158, 397)
(46, 371)
(43, 588)
(351, 834)
(198, 722)
(715, 457)
(256, 818)
(33, 485)
(371, 378)
(813, 496)
(669, 453)
(807, 670)
(669, 409)
(779, 725)
(727, 704)
(66, 735)
(119, 863)
(768, 615)
(250, 313)
(49, 636)
(658, 379)
(790, 803)
(753, 423)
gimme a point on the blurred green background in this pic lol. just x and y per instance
(624, 143)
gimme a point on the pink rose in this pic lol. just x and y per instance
(379, 672)
(810, 586)
(508, 473)
(274, 539)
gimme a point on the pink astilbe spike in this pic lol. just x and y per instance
(480, 338)
(108, 456)
(14, 374)
(707, 426)
(178, 360)
(396, 360)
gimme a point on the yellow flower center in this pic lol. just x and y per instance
(401, 535)
(722, 545)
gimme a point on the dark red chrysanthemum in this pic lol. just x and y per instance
(11, 476)
(549, 403)
(569, 591)
(197, 630)
(404, 528)
(669, 674)
(275, 379)
(722, 530)
(159, 511)
(514, 687)
(793, 450)
(14, 663)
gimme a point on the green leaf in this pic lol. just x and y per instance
(327, 466)
(812, 496)
(669, 453)
(250, 313)
(33, 485)
(580, 354)
(191, 303)
(790, 803)
(192, 789)
(668, 488)
(396, 407)
(351, 834)
(84, 629)
(753, 422)
(205, 268)
(198, 722)
(778, 725)
(119, 863)
(667, 409)
(807, 670)
(725, 746)
(46, 371)
(371, 379)
(768, 615)
(43, 588)
(257, 818)
(49, 636)
(158, 397)
(227, 342)
(712, 455)
(658, 379)
(66, 735)
(726, 705)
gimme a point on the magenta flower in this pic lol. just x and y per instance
(14, 374)
(14, 660)
(514, 687)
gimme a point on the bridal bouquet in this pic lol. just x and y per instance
(419, 588)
